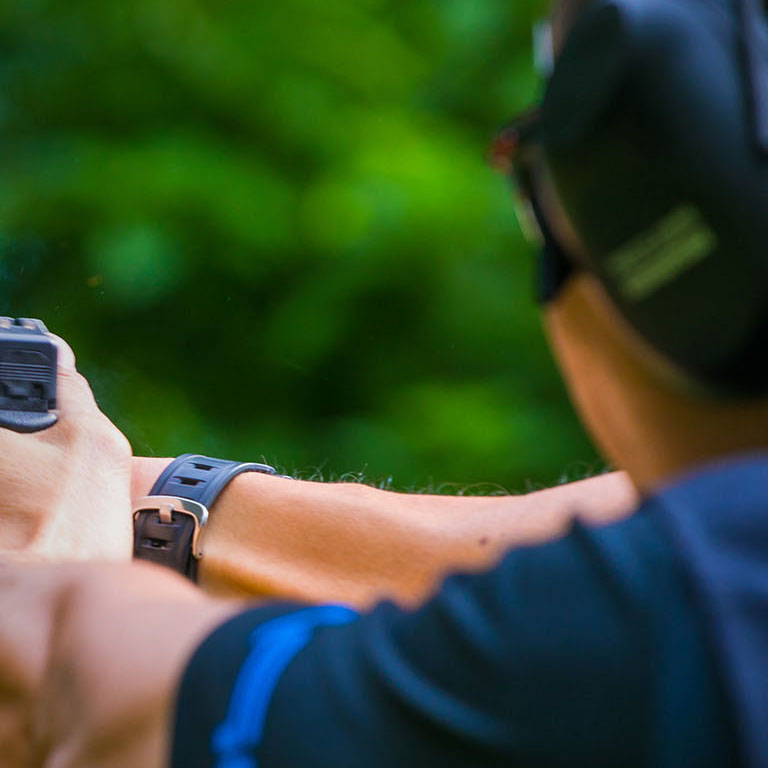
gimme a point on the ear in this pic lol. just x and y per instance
(588, 73)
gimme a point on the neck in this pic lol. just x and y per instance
(673, 435)
(645, 422)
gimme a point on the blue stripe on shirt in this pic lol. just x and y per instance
(274, 645)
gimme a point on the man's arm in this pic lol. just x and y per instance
(346, 542)
(559, 654)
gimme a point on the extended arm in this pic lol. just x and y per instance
(355, 544)
(558, 654)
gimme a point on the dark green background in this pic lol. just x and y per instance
(269, 230)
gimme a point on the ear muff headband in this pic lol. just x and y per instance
(655, 128)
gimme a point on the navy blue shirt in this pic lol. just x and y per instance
(644, 642)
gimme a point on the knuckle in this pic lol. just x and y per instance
(94, 433)
(75, 390)
(81, 385)
(108, 438)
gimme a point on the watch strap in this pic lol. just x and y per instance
(201, 478)
(166, 529)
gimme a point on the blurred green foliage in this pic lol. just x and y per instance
(269, 230)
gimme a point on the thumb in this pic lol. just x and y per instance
(73, 393)
(66, 355)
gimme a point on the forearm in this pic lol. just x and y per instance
(355, 544)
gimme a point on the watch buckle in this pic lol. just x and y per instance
(165, 506)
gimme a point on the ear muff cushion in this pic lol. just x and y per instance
(660, 178)
(589, 71)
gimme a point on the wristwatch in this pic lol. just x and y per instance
(168, 522)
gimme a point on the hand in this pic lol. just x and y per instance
(65, 490)
(90, 658)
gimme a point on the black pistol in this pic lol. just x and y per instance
(27, 375)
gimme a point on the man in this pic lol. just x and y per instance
(638, 642)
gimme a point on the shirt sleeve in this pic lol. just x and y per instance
(552, 658)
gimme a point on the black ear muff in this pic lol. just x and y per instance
(650, 126)
(588, 74)
(754, 44)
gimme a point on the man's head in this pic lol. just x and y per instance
(649, 176)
